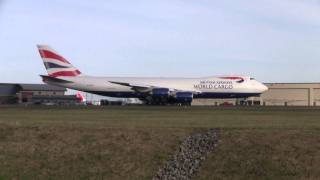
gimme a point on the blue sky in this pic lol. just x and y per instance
(272, 40)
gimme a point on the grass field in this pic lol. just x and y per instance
(133, 142)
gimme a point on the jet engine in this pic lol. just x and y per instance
(184, 98)
(158, 96)
(163, 96)
(160, 92)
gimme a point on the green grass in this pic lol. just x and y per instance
(265, 154)
(166, 117)
(133, 142)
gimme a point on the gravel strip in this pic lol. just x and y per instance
(187, 160)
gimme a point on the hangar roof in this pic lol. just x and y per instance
(11, 89)
(40, 87)
(293, 85)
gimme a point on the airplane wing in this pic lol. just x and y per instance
(159, 94)
(147, 88)
(136, 87)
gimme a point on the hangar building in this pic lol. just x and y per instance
(292, 94)
(279, 94)
(34, 94)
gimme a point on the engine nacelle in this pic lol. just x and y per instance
(184, 97)
(163, 96)
(160, 92)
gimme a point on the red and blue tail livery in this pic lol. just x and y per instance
(55, 64)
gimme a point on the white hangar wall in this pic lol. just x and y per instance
(292, 94)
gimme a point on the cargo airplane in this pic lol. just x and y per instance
(156, 91)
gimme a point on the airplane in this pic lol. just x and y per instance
(81, 97)
(152, 91)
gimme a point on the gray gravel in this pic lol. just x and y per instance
(187, 160)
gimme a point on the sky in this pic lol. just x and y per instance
(271, 40)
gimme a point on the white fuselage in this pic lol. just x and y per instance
(208, 87)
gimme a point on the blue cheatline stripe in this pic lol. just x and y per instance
(50, 65)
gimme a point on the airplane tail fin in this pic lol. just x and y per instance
(55, 64)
